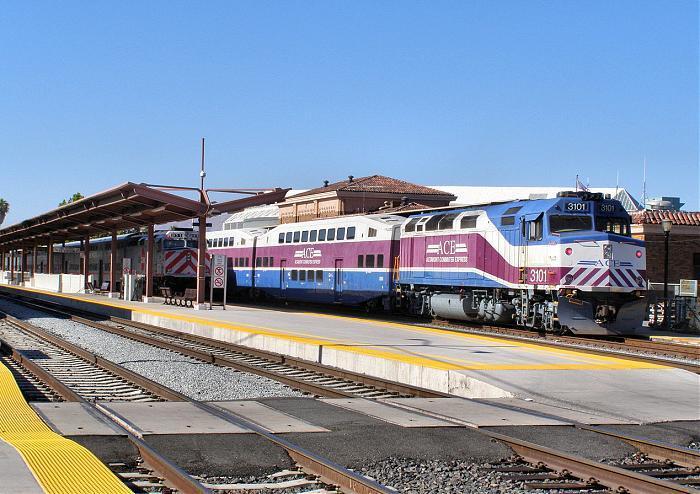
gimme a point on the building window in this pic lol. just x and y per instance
(321, 235)
(351, 232)
(380, 260)
(280, 240)
(341, 234)
(369, 260)
(360, 261)
(305, 236)
(312, 235)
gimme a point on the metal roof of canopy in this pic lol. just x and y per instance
(128, 205)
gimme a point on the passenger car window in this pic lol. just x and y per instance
(432, 224)
(294, 275)
(258, 261)
(310, 275)
(266, 262)
(351, 232)
(302, 275)
(305, 236)
(289, 237)
(380, 260)
(369, 260)
(312, 235)
(321, 235)
(468, 222)
(280, 240)
(297, 237)
(372, 232)
(360, 261)
(341, 234)
(331, 234)
(319, 276)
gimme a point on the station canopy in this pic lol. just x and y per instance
(125, 206)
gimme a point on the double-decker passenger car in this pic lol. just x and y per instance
(561, 264)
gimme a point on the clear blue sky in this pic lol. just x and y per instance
(290, 93)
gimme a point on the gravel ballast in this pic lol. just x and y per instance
(196, 379)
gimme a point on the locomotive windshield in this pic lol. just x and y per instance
(620, 226)
(569, 223)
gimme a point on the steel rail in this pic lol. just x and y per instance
(172, 474)
(329, 471)
(615, 478)
(660, 451)
(272, 357)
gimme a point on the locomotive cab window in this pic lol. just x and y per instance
(534, 229)
(507, 220)
(569, 223)
(620, 226)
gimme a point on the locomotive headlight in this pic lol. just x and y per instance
(569, 251)
(568, 279)
(638, 254)
(640, 281)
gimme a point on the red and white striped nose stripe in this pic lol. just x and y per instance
(622, 277)
(180, 262)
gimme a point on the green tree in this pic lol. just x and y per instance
(75, 197)
(4, 208)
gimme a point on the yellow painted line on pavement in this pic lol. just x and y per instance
(59, 465)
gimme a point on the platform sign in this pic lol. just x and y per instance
(688, 288)
(218, 278)
(126, 265)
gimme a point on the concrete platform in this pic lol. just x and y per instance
(74, 419)
(471, 366)
(16, 476)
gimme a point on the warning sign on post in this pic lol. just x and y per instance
(218, 277)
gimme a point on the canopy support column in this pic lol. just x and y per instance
(149, 265)
(113, 293)
(86, 265)
(201, 263)
(23, 265)
(12, 266)
(49, 256)
(34, 258)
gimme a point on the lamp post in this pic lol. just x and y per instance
(666, 227)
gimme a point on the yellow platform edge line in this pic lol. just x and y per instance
(59, 465)
(604, 362)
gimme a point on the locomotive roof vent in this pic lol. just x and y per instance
(582, 194)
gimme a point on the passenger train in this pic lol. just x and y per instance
(565, 264)
(174, 260)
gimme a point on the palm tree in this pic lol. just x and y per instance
(4, 208)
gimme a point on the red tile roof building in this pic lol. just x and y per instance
(684, 243)
(359, 195)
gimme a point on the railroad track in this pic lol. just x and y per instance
(672, 470)
(153, 466)
(309, 377)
